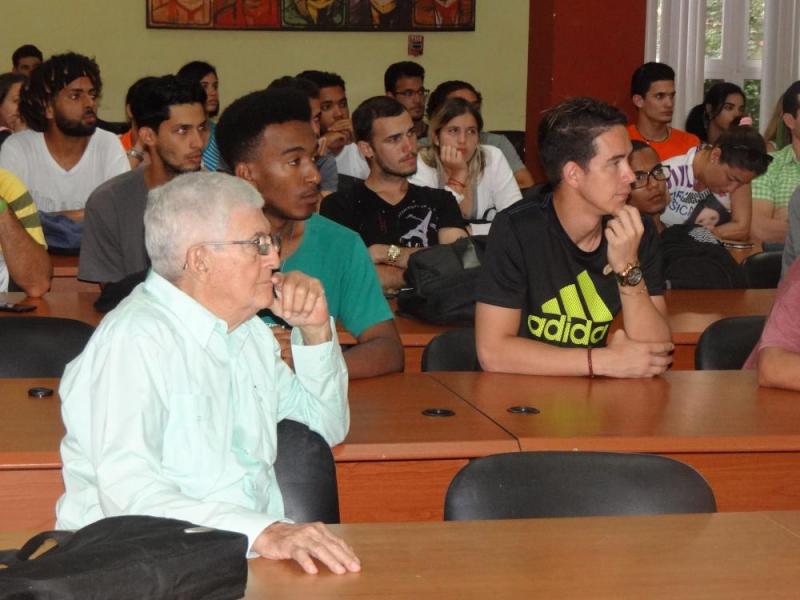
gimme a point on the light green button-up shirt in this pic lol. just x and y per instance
(167, 414)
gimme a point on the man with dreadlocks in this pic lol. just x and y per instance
(62, 157)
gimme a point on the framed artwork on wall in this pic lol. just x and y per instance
(313, 15)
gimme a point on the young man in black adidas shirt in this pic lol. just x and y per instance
(393, 217)
(559, 267)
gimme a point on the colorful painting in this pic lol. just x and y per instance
(310, 15)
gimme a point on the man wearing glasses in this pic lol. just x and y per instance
(405, 82)
(172, 408)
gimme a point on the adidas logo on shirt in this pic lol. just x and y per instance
(564, 318)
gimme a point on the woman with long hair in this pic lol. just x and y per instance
(723, 107)
(477, 175)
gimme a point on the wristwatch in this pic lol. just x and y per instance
(392, 254)
(630, 276)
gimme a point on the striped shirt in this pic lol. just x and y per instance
(781, 179)
(19, 200)
(211, 156)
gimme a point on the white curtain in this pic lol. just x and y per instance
(780, 64)
(681, 38)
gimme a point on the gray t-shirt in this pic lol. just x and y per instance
(113, 233)
(328, 174)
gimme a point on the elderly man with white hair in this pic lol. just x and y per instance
(172, 408)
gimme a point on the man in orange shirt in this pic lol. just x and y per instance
(653, 94)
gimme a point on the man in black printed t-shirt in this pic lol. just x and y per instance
(393, 217)
(559, 267)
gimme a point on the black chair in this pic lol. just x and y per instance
(452, 350)
(306, 474)
(763, 270)
(40, 346)
(517, 139)
(726, 344)
(522, 485)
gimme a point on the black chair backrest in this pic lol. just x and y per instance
(726, 344)
(452, 350)
(763, 270)
(517, 139)
(522, 485)
(40, 346)
(306, 474)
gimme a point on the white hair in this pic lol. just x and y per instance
(190, 209)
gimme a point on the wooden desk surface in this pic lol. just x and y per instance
(386, 422)
(683, 411)
(414, 457)
(691, 311)
(64, 266)
(68, 305)
(713, 556)
(732, 555)
(31, 428)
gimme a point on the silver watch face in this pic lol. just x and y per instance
(633, 277)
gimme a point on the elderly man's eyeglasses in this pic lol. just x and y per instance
(659, 173)
(408, 94)
(264, 244)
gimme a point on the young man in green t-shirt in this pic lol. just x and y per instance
(267, 140)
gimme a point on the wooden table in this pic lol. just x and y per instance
(691, 311)
(710, 556)
(65, 276)
(744, 439)
(395, 464)
(414, 334)
(30, 463)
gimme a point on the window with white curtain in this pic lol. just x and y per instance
(734, 44)
(753, 43)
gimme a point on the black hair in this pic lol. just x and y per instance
(6, 81)
(790, 102)
(195, 70)
(241, 125)
(152, 98)
(743, 147)
(323, 79)
(699, 117)
(377, 107)
(439, 95)
(567, 132)
(397, 70)
(24, 52)
(648, 73)
(51, 77)
(301, 84)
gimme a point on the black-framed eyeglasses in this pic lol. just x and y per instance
(659, 173)
(264, 244)
(408, 94)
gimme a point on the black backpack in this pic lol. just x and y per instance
(694, 259)
(443, 281)
(128, 557)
